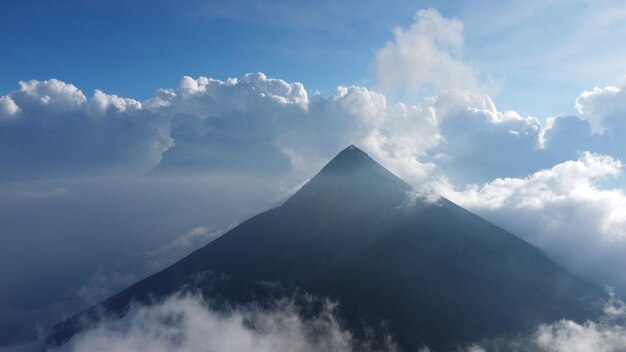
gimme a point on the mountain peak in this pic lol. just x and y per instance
(350, 154)
(353, 149)
(426, 272)
(353, 175)
(351, 159)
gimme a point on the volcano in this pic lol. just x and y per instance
(429, 271)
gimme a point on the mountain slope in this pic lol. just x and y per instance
(433, 273)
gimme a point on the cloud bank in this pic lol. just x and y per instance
(265, 126)
(50, 129)
(569, 210)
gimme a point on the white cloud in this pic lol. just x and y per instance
(396, 135)
(478, 139)
(563, 336)
(52, 96)
(574, 178)
(208, 96)
(59, 132)
(425, 55)
(569, 336)
(600, 104)
(606, 334)
(230, 125)
(8, 108)
(566, 210)
(263, 125)
(188, 323)
(266, 126)
(102, 103)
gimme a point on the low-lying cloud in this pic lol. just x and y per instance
(186, 322)
(607, 334)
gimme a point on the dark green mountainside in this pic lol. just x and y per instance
(433, 273)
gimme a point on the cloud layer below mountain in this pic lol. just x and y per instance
(607, 334)
(185, 322)
(188, 323)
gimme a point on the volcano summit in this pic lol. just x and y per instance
(432, 273)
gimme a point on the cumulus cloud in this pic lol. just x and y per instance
(50, 129)
(479, 140)
(51, 96)
(8, 108)
(102, 103)
(428, 54)
(266, 126)
(188, 323)
(229, 126)
(253, 91)
(263, 125)
(603, 107)
(568, 210)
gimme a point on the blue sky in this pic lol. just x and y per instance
(130, 129)
(133, 48)
(537, 56)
